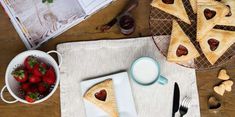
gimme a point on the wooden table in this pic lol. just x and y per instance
(11, 45)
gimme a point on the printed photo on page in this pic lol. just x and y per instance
(37, 22)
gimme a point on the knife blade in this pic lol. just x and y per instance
(176, 99)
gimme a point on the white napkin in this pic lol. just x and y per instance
(82, 60)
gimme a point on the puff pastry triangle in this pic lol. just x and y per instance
(181, 48)
(229, 19)
(176, 8)
(215, 44)
(209, 14)
(102, 95)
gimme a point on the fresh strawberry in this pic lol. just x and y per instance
(33, 89)
(25, 86)
(31, 97)
(20, 75)
(34, 79)
(29, 62)
(50, 76)
(42, 87)
(40, 69)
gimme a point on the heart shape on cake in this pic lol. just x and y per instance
(101, 95)
(209, 14)
(181, 51)
(213, 43)
(168, 1)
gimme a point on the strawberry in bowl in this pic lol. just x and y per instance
(30, 62)
(31, 97)
(20, 75)
(40, 69)
(49, 77)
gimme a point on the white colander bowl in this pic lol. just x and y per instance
(13, 86)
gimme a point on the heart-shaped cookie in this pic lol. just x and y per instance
(223, 75)
(101, 95)
(228, 85)
(220, 89)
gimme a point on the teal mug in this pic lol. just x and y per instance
(146, 71)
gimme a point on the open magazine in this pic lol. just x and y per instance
(37, 22)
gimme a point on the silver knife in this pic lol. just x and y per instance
(176, 99)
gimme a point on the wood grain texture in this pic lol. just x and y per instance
(206, 80)
(11, 45)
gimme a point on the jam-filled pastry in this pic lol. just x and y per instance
(173, 7)
(215, 44)
(208, 15)
(181, 48)
(102, 95)
(229, 19)
(193, 5)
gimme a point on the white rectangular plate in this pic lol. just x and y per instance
(124, 98)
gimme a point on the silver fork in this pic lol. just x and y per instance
(184, 106)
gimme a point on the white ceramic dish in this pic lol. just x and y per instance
(13, 86)
(123, 93)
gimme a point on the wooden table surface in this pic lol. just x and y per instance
(11, 45)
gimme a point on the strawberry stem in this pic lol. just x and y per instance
(19, 73)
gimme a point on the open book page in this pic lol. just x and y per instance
(91, 6)
(40, 21)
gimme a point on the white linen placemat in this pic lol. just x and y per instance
(83, 60)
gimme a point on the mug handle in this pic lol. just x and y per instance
(162, 80)
(3, 99)
(59, 56)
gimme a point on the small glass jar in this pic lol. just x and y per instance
(126, 24)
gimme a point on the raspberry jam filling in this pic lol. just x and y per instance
(181, 51)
